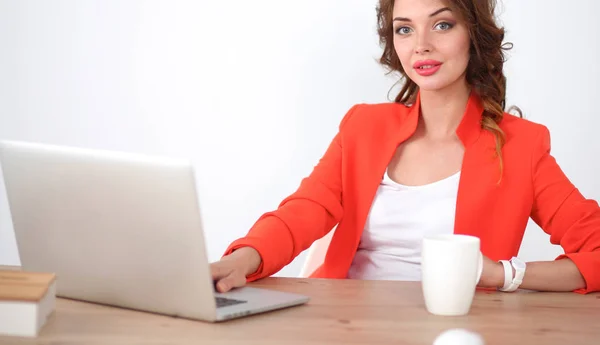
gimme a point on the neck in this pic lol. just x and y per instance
(443, 110)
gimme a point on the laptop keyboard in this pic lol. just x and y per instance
(226, 302)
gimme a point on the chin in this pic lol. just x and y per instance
(433, 83)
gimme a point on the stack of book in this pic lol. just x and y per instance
(27, 300)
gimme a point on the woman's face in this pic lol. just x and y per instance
(431, 42)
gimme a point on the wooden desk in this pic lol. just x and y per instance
(340, 312)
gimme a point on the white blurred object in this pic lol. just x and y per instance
(459, 337)
(316, 255)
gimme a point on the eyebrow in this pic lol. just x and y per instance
(402, 19)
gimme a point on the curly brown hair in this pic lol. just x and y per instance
(484, 71)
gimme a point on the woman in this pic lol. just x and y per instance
(443, 158)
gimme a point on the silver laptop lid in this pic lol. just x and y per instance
(117, 228)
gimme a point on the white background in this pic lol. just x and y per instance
(254, 90)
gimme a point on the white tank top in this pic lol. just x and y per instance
(400, 216)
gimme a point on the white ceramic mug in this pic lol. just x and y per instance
(451, 268)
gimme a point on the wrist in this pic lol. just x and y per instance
(498, 275)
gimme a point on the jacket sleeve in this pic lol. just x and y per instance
(565, 214)
(301, 218)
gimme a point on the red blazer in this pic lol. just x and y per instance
(341, 188)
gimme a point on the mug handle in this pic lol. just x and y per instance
(479, 268)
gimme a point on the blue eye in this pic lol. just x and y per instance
(403, 30)
(444, 26)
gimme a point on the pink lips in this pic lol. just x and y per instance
(427, 67)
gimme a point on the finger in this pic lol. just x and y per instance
(231, 281)
(218, 271)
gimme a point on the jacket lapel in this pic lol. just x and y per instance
(480, 172)
(379, 150)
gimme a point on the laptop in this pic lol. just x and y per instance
(120, 229)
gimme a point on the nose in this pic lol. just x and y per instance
(423, 44)
(422, 50)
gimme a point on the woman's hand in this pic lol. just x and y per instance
(492, 275)
(231, 271)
